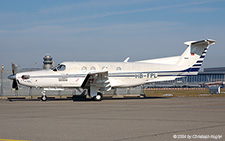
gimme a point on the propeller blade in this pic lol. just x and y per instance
(14, 68)
(15, 85)
(13, 76)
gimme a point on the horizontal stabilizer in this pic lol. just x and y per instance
(201, 42)
(197, 47)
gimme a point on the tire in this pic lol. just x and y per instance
(98, 97)
(44, 98)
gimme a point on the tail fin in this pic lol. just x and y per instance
(193, 56)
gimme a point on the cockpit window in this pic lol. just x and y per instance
(59, 67)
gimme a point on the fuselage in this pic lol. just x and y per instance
(120, 74)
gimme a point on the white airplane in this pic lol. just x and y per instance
(103, 76)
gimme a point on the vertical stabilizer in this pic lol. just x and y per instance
(193, 57)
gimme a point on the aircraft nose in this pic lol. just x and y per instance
(12, 77)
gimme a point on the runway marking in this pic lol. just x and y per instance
(12, 140)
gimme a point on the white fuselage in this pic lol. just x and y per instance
(120, 74)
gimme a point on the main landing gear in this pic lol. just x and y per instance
(94, 94)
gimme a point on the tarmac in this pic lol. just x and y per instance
(129, 119)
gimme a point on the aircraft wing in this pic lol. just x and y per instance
(97, 79)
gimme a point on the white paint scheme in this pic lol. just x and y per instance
(102, 76)
(166, 60)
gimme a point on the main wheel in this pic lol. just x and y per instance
(44, 98)
(98, 97)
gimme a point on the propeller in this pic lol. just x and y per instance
(14, 68)
(13, 76)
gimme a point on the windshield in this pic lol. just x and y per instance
(59, 67)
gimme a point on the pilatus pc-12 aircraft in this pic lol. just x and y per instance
(103, 76)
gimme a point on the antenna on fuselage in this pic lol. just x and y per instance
(127, 59)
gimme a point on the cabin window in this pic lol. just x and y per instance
(84, 69)
(93, 69)
(118, 69)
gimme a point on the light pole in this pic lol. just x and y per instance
(2, 80)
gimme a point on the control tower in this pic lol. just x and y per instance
(48, 63)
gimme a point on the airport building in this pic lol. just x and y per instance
(209, 75)
(48, 62)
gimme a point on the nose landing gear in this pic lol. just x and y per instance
(98, 97)
(44, 97)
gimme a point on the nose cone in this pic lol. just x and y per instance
(12, 77)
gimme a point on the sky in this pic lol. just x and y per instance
(107, 30)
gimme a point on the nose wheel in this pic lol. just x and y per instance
(44, 97)
(98, 97)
